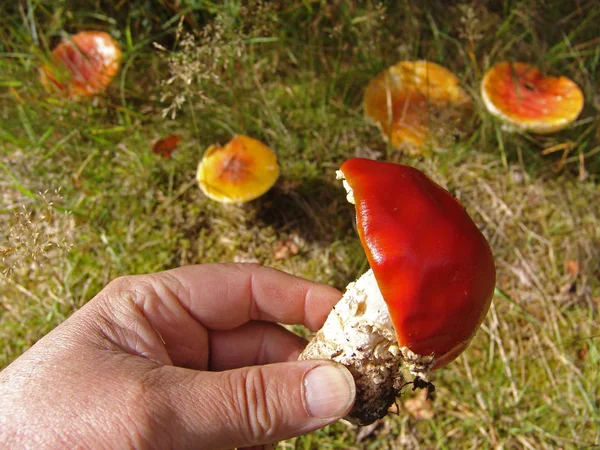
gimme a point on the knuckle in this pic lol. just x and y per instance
(131, 290)
(163, 286)
(126, 290)
(259, 404)
(123, 282)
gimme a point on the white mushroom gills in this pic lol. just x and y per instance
(359, 334)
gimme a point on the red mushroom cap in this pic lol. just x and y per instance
(83, 65)
(519, 94)
(433, 266)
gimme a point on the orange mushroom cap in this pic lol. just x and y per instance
(83, 65)
(242, 170)
(519, 94)
(402, 99)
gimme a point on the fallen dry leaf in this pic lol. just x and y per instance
(583, 352)
(572, 267)
(285, 249)
(164, 147)
(76, 182)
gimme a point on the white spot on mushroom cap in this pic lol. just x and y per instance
(105, 48)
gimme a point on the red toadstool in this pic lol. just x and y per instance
(430, 285)
(242, 170)
(83, 65)
(519, 94)
(405, 99)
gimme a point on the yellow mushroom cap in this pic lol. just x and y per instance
(402, 99)
(519, 94)
(242, 170)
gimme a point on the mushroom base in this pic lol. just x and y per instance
(358, 333)
(377, 382)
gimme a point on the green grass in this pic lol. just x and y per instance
(85, 200)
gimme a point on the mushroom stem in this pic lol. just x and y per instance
(359, 334)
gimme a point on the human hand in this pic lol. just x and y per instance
(190, 357)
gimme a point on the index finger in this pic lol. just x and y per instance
(225, 296)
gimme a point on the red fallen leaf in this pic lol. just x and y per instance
(164, 147)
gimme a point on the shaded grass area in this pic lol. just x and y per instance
(85, 200)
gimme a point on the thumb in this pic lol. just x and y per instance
(253, 405)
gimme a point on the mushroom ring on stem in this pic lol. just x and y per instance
(429, 288)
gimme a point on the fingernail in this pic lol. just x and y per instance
(329, 391)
